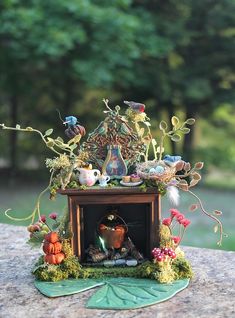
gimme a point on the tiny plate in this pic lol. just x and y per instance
(131, 184)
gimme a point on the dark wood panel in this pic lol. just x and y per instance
(101, 191)
(113, 199)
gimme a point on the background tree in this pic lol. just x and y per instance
(174, 55)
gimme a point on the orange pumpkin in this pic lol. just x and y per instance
(52, 237)
(54, 259)
(52, 248)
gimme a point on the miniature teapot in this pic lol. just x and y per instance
(103, 179)
(88, 177)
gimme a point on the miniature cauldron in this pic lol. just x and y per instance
(112, 229)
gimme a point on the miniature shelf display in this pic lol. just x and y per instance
(112, 233)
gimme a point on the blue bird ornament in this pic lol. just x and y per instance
(73, 128)
(70, 121)
(171, 160)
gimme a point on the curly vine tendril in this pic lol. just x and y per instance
(37, 206)
(211, 216)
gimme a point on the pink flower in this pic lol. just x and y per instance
(53, 216)
(167, 221)
(185, 222)
(174, 213)
(42, 219)
(176, 239)
(180, 217)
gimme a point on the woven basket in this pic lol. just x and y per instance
(142, 169)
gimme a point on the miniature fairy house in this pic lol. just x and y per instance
(116, 224)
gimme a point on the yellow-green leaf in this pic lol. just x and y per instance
(175, 137)
(48, 132)
(163, 125)
(75, 140)
(175, 121)
(185, 130)
(154, 142)
(190, 121)
(141, 132)
(159, 149)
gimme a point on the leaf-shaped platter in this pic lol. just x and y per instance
(115, 293)
(67, 286)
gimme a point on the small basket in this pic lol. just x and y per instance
(113, 236)
(164, 177)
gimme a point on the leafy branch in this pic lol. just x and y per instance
(192, 173)
(50, 142)
(178, 128)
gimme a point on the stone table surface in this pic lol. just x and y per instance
(211, 293)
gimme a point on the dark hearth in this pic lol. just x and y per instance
(139, 210)
(114, 246)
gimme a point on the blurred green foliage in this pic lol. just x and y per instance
(173, 55)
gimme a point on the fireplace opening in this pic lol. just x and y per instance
(115, 235)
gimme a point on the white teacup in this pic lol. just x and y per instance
(103, 180)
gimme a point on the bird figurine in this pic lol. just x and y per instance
(70, 120)
(137, 107)
(73, 128)
(171, 160)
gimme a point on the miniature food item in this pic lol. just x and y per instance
(126, 179)
(135, 178)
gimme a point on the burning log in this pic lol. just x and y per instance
(95, 254)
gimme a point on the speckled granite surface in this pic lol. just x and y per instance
(211, 293)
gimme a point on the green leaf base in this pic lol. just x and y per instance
(115, 293)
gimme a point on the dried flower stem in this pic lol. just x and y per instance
(211, 216)
(181, 235)
(106, 104)
(161, 145)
